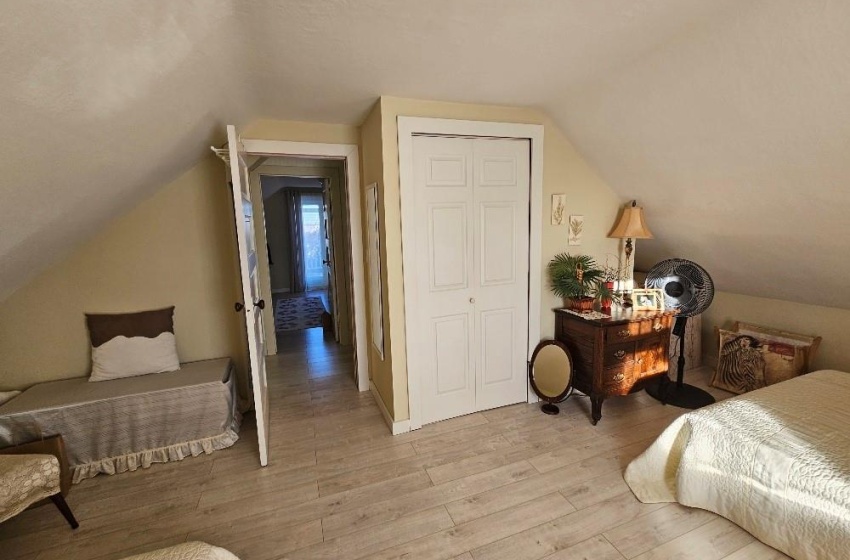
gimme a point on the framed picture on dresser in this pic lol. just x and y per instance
(648, 300)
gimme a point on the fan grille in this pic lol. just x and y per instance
(685, 284)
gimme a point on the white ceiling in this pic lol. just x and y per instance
(728, 120)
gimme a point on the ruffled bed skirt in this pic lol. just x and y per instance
(144, 459)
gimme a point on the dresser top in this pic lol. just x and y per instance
(620, 315)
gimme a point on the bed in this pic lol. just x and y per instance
(775, 461)
(123, 424)
(187, 551)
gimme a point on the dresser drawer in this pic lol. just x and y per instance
(637, 329)
(651, 355)
(616, 379)
(616, 354)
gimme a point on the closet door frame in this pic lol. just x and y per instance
(408, 127)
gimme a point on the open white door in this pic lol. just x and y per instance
(333, 300)
(252, 299)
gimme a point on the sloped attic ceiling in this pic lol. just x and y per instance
(728, 120)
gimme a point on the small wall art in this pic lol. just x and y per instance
(559, 207)
(576, 230)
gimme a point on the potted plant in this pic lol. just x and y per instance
(575, 278)
(605, 290)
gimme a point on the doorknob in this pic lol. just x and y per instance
(238, 306)
(261, 304)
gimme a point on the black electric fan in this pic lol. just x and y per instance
(688, 288)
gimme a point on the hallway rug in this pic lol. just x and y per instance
(297, 313)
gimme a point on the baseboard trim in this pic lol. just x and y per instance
(395, 427)
(280, 291)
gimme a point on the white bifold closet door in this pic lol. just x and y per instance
(472, 234)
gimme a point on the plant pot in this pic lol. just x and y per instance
(605, 303)
(580, 304)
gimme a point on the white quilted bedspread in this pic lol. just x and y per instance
(775, 461)
(187, 551)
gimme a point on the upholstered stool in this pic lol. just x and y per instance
(31, 472)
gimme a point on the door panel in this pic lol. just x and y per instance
(451, 344)
(447, 246)
(333, 298)
(443, 195)
(251, 295)
(497, 171)
(497, 346)
(447, 171)
(501, 196)
(498, 243)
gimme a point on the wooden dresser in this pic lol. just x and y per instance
(615, 356)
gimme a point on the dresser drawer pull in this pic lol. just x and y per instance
(657, 327)
(619, 377)
(625, 333)
(620, 354)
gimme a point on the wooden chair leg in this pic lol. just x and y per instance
(66, 511)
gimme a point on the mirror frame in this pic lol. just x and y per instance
(568, 390)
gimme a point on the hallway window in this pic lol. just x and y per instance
(314, 241)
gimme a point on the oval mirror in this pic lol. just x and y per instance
(551, 374)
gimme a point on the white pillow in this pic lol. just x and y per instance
(7, 396)
(131, 344)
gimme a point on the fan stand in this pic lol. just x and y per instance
(679, 393)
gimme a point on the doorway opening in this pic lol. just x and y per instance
(301, 211)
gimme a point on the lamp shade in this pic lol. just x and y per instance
(631, 225)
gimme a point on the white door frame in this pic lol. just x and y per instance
(350, 154)
(408, 127)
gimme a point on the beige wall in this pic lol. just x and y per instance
(828, 322)
(372, 171)
(564, 171)
(176, 248)
(294, 131)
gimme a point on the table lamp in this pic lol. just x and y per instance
(630, 225)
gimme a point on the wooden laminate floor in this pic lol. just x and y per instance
(509, 484)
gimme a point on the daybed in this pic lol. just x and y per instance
(123, 424)
(775, 461)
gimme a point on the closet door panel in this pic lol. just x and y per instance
(501, 197)
(445, 360)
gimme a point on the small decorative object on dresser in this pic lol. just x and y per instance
(576, 278)
(617, 355)
(648, 300)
